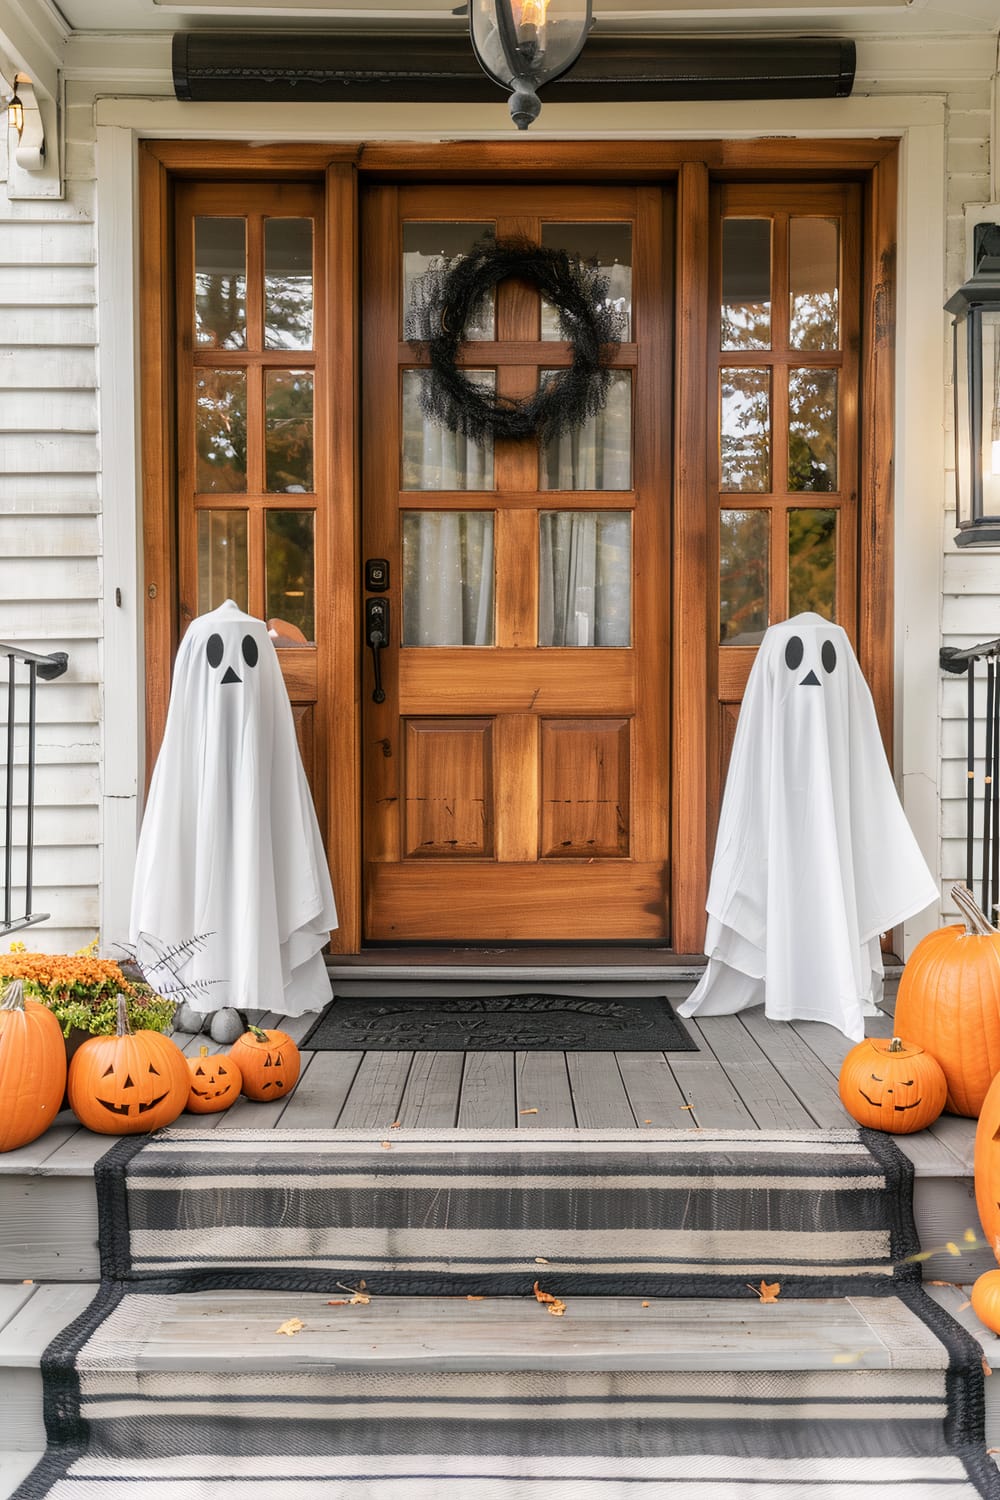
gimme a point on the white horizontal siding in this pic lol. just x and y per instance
(50, 542)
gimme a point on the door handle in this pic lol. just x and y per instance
(377, 638)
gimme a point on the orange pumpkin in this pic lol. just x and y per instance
(129, 1083)
(32, 1068)
(215, 1082)
(949, 1002)
(986, 1299)
(987, 1166)
(269, 1062)
(892, 1085)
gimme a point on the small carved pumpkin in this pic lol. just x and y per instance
(949, 1002)
(986, 1299)
(269, 1062)
(129, 1083)
(215, 1082)
(892, 1085)
(32, 1068)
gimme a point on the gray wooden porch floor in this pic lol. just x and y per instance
(749, 1073)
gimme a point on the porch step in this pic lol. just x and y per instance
(451, 1388)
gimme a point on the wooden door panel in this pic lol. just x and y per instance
(449, 788)
(515, 782)
(586, 774)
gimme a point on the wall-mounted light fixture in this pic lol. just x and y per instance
(976, 366)
(15, 113)
(522, 44)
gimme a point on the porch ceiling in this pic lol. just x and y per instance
(914, 18)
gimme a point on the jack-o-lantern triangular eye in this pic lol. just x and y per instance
(108, 1072)
(199, 1072)
(154, 1070)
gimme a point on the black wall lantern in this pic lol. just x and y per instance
(976, 334)
(522, 44)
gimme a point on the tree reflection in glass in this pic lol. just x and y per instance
(814, 275)
(812, 430)
(288, 285)
(288, 431)
(221, 431)
(289, 576)
(220, 283)
(745, 449)
(744, 548)
(812, 562)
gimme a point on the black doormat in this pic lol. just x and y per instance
(500, 1023)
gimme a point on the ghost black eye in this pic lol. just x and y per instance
(214, 650)
(829, 655)
(249, 650)
(794, 653)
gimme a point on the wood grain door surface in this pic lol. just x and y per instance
(516, 776)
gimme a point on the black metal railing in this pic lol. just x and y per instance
(46, 667)
(963, 660)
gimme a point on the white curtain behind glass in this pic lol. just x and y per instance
(448, 578)
(584, 584)
(598, 454)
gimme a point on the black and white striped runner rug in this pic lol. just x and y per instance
(424, 1368)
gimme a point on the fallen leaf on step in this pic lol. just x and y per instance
(940, 1283)
(386, 1145)
(686, 1106)
(471, 1297)
(338, 1302)
(970, 1236)
(554, 1305)
(767, 1291)
(952, 1248)
(395, 1124)
(360, 1300)
(291, 1326)
(540, 1260)
(986, 1368)
(963, 1305)
(529, 1111)
(645, 1304)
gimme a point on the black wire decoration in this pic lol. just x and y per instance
(955, 660)
(453, 291)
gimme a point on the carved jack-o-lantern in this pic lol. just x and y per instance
(269, 1062)
(216, 1082)
(892, 1085)
(129, 1083)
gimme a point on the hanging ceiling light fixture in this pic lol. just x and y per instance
(522, 44)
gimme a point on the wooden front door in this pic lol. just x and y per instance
(517, 772)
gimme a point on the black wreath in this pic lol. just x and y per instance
(448, 296)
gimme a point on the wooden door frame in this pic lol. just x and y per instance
(691, 166)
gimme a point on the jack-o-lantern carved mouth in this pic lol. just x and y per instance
(879, 1103)
(211, 1093)
(141, 1108)
(123, 1109)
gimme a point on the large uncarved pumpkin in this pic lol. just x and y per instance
(130, 1083)
(891, 1085)
(987, 1166)
(32, 1068)
(949, 1002)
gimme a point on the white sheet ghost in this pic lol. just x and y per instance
(230, 849)
(814, 858)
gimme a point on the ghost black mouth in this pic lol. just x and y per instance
(878, 1104)
(122, 1109)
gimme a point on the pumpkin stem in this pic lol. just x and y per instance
(13, 995)
(895, 1045)
(122, 1028)
(257, 1032)
(202, 1051)
(974, 919)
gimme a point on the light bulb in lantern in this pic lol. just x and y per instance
(529, 18)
